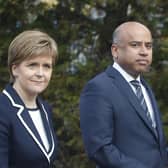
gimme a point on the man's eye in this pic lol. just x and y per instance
(134, 44)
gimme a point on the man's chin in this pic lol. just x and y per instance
(144, 69)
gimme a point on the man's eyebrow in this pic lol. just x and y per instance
(135, 42)
(141, 41)
(146, 42)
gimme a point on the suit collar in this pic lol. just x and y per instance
(127, 92)
(126, 75)
(26, 121)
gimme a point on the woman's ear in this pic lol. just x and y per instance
(14, 69)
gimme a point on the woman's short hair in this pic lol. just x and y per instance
(29, 44)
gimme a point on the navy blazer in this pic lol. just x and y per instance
(115, 129)
(20, 143)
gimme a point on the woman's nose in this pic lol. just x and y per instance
(40, 71)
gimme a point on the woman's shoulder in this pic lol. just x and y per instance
(4, 108)
(4, 101)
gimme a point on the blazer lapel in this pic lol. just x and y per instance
(27, 122)
(47, 127)
(30, 127)
(128, 93)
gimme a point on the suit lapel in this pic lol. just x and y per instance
(128, 93)
(26, 121)
(156, 111)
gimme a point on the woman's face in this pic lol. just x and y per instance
(32, 76)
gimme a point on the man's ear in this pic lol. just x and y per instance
(114, 49)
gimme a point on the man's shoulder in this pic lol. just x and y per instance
(101, 81)
(102, 74)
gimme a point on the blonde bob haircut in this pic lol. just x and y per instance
(30, 44)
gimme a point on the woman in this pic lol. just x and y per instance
(27, 138)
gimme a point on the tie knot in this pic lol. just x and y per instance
(135, 83)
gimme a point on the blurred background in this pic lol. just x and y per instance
(83, 31)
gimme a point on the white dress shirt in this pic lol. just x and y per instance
(129, 78)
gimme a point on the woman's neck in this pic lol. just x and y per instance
(28, 99)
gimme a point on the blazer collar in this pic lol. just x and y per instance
(26, 121)
(126, 90)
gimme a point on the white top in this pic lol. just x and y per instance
(38, 122)
(129, 78)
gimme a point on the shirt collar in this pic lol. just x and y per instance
(126, 76)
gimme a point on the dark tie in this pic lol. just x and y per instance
(141, 98)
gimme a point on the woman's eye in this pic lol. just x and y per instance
(32, 65)
(47, 66)
(149, 46)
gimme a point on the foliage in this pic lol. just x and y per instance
(83, 32)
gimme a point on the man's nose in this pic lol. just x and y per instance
(143, 50)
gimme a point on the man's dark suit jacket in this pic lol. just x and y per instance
(20, 143)
(115, 129)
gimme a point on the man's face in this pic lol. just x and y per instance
(134, 50)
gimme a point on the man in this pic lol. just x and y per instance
(120, 120)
